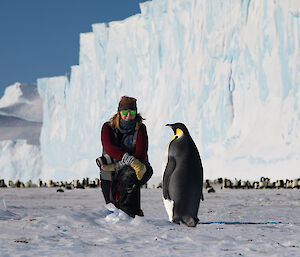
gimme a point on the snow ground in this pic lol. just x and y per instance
(43, 222)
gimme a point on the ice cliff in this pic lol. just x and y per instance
(20, 127)
(229, 70)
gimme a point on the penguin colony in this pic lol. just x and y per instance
(264, 183)
(75, 184)
(84, 183)
(182, 178)
(224, 183)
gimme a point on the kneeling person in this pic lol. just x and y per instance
(124, 163)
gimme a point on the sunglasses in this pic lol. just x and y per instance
(125, 112)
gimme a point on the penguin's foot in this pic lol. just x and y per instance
(176, 220)
(190, 222)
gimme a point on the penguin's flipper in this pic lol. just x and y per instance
(167, 175)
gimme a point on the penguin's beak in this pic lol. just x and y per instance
(170, 125)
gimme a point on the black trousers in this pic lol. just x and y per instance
(124, 190)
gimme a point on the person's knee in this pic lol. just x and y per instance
(147, 175)
(127, 176)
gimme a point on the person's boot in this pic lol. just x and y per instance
(139, 211)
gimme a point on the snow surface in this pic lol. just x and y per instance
(42, 222)
(229, 70)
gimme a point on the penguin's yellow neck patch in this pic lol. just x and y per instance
(178, 134)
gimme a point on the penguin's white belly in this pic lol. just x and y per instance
(169, 206)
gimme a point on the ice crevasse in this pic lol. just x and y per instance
(229, 70)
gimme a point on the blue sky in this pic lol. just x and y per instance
(40, 38)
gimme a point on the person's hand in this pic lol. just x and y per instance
(127, 159)
(139, 168)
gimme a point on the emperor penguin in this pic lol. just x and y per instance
(182, 178)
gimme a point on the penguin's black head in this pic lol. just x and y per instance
(180, 126)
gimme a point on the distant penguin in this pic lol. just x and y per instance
(182, 178)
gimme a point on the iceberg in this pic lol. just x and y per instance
(229, 70)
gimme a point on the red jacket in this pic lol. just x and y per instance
(115, 152)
